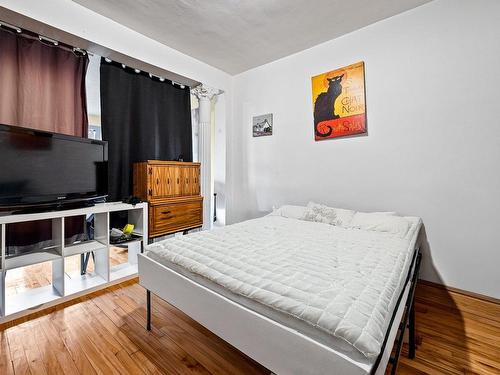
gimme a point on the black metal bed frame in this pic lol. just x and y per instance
(407, 321)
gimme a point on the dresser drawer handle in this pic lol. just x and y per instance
(169, 217)
(166, 212)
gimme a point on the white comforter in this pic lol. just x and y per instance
(343, 281)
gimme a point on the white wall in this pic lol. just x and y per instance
(219, 141)
(433, 148)
(93, 87)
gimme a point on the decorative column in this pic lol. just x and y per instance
(205, 95)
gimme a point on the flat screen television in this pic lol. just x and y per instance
(39, 168)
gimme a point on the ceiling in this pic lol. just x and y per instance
(237, 35)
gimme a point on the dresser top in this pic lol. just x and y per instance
(170, 162)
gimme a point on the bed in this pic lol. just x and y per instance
(300, 295)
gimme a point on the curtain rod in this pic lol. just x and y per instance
(49, 41)
(138, 71)
(43, 39)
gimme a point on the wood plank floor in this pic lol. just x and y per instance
(104, 334)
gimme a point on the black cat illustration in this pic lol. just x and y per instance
(323, 107)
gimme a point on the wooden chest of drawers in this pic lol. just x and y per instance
(176, 216)
(172, 190)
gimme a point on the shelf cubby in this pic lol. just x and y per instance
(28, 296)
(129, 265)
(47, 251)
(75, 282)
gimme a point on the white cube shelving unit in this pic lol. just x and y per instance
(64, 286)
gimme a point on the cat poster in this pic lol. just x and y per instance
(339, 102)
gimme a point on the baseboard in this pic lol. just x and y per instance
(61, 303)
(477, 296)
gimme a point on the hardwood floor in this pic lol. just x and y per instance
(104, 334)
(456, 334)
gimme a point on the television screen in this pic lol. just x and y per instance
(38, 167)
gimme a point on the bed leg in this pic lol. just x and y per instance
(148, 307)
(412, 333)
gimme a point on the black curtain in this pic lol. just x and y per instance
(142, 118)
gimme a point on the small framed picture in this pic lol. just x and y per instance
(262, 125)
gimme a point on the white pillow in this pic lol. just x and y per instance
(328, 215)
(380, 222)
(292, 212)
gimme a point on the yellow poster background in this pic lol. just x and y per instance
(352, 99)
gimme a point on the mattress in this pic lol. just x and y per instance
(336, 285)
